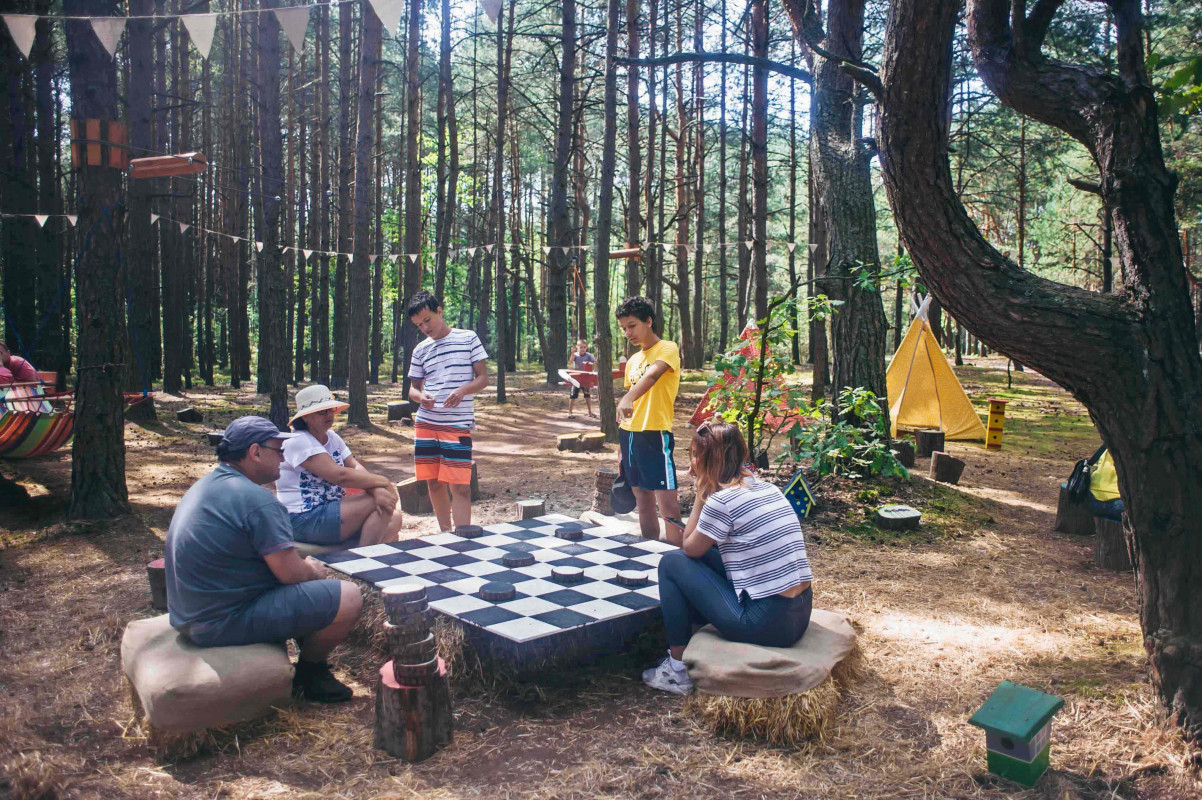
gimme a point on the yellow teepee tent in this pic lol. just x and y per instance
(923, 390)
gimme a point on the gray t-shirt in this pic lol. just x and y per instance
(582, 360)
(220, 532)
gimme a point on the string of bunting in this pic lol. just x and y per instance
(294, 20)
(42, 218)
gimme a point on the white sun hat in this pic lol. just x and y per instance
(316, 398)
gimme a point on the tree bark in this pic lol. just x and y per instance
(52, 351)
(98, 451)
(634, 158)
(1144, 376)
(601, 305)
(759, 155)
(346, 173)
(559, 224)
(448, 137)
(141, 266)
(413, 185)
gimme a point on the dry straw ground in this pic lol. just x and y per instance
(984, 591)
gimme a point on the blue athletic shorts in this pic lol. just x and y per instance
(275, 616)
(321, 525)
(647, 459)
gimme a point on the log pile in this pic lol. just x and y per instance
(413, 696)
(604, 484)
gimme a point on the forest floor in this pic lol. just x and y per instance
(984, 591)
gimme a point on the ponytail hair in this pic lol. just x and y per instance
(719, 455)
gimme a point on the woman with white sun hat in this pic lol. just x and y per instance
(318, 470)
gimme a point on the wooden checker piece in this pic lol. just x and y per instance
(497, 591)
(399, 612)
(397, 639)
(414, 623)
(415, 652)
(469, 531)
(404, 593)
(572, 531)
(633, 577)
(415, 674)
(567, 574)
(517, 559)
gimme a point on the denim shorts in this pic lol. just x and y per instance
(321, 525)
(277, 615)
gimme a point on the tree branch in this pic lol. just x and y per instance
(1035, 28)
(1085, 186)
(718, 58)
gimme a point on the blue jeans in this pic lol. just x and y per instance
(1110, 509)
(696, 590)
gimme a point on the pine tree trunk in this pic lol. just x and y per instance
(634, 159)
(723, 288)
(759, 155)
(560, 220)
(413, 188)
(346, 174)
(98, 451)
(448, 136)
(51, 350)
(601, 306)
(742, 226)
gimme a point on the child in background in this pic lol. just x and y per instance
(447, 371)
(584, 361)
(645, 417)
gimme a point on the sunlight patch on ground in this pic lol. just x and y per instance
(913, 630)
(1010, 498)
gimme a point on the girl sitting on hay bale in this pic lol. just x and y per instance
(755, 587)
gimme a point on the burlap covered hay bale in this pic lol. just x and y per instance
(179, 687)
(782, 696)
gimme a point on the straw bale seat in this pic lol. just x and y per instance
(783, 695)
(305, 549)
(179, 688)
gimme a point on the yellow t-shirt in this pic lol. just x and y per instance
(654, 410)
(1103, 480)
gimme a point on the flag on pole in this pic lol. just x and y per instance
(200, 27)
(294, 21)
(108, 31)
(23, 30)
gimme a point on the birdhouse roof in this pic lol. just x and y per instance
(1017, 711)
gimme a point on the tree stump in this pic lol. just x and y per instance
(141, 410)
(897, 517)
(1110, 546)
(905, 453)
(415, 497)
(927, 441)
(1071, 516)
(189, 415)
(529, 509)
(946, 468)
(215, 437)
(413, 722)
(398, 411)
(567, 441)
(592, 441)
(156, 573)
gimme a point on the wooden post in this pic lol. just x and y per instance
(529, 509)
(1110, 546)
(927, 441)
(905, 452)
(156, 573)
(189, 415)
(946, 468)
(997, 420)
(1071, 516)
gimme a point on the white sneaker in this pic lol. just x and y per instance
(666, 679)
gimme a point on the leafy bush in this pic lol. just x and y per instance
(839, 447)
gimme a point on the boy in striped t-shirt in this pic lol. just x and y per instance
(447, 370)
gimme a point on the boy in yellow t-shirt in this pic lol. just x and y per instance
(645, 416)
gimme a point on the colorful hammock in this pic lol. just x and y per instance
(30, 424)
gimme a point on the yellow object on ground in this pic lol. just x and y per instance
(923, 390)
(1103, 480)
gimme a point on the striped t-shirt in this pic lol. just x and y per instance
(444, 365)
(759, 537)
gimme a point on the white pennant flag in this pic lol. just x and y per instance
(372, 259)
(389, 13)
(41, 218)
(750, 243)
(108, 31)
(564, 250)
(546, 250)
(154, 218)
(22, 28)
(413, 257)
(294, 21)
(647, 245)
(258, 247)
(307, 254)
(492, 8)
(489, 248)
(72, 218)
(792, 246)
(200, 27)
(813, 247)
(452, 253)
(183, 227)
(709, 248)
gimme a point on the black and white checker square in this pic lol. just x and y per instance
(453, 569)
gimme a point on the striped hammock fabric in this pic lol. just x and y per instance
(29, 423)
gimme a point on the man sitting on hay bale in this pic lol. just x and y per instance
(234, 576)
(755, 587)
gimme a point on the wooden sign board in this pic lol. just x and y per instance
(166, 166)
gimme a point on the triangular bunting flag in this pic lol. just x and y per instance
(564, 250)
(492, 8)
(294, 21)
(471, 252)
(452, 253)
(389, 13)
(792, 246)
(200, 27)
(258, 247)
(813, 247)
(22, 28)
(750, 243)
(108, 31)
(372, 259)
(709, 248)
(154, 218)
(546, 250)
(647, 245)
(307, 254)
(489, 248)
(72, 218)
(41, 218)
(413, 257)
(183, 227)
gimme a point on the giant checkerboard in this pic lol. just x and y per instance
(544, 615)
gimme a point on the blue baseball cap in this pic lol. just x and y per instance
(245, 431)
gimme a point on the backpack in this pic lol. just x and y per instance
(1078, 481)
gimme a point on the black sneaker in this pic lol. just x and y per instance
(314, 682)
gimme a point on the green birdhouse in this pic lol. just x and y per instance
(1018, 729)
